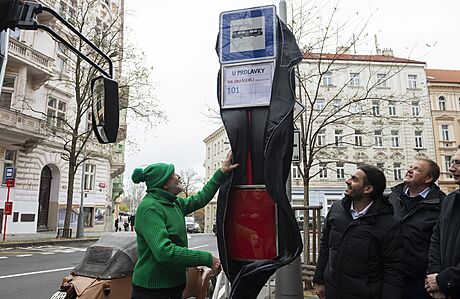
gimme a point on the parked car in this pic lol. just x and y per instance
(310, 221)
(106, 271)
(192, 226)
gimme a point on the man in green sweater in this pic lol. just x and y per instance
(162, 246)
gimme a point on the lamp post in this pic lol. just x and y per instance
(289, 277)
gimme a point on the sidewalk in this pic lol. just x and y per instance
(46, 238)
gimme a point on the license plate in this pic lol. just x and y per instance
(59, 295)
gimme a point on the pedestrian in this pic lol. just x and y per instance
(132, 221)
(443, 280)
(361, 250)
(116, 224)
(126, 225)
(163, 253)
(416, 203)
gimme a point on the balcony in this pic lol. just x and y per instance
(117, 163)
(21, 130)
(40, 66)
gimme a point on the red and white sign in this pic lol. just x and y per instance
(10, 183)
(9, 208)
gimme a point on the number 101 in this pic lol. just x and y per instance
(232, 90)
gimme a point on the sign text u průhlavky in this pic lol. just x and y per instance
(247, 54)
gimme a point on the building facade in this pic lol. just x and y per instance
(34, 103)
(217, 147)
(444, 89)
(371, 109)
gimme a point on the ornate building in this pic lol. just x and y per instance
(444, 89)
(34, 105)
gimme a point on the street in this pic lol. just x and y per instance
(36, 272)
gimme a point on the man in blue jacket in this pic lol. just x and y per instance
(416, 203)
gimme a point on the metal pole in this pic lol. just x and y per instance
(288, 282)
(81, 215)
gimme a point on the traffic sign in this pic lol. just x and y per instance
(10, 183)
(296, 147)
(298, 110)
(9, 208)
(9, 172)
(247, 34)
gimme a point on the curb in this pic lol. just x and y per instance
(27, 243)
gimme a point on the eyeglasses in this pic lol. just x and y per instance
(454, 163)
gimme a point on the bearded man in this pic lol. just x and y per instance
(162, 248)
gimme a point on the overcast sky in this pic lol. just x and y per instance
(178, 38)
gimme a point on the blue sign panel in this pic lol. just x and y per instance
(9, 172)
(248, 34)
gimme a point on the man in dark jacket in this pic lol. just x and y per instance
(416, 203)
(361, 252)
(444, 256)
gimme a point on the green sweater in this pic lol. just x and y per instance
(162, 246)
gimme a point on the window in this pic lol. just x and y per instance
(382, 80)
(418, 139)
(61, 58)
(88, 216)
(375, 108)
(442, 103)
(6, 94)
(56, 112)
(295, 173)
(8, 161)
(394, 138)
(447, 160)
(322, 137)
(445, 133)
(322, 170)
(327, 79)
(354, 79)
(392, 108)
(356, 107)
(90, 173)
(378, 139)
(459, 103)
(336, 104)
(412, 81)
(319, 105)
(415, 109)
(340, 171)
(358, 138)
(397, 171)
(338, 137)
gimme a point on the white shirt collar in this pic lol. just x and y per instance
(423, 194)
(355, 214)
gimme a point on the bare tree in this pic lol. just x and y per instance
(190, 180)
(134, 193)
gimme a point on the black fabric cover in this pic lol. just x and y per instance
(268, 134)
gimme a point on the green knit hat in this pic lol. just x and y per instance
(155, 175)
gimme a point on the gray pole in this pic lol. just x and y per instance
(288, 278)
(81, 214)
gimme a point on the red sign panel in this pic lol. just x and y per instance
(10, 182)
(9, 208)
(250, 225)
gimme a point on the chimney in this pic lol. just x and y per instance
(377, 49)
(387, 52)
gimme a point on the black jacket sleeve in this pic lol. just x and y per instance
(323, 252)
(449, 280)
(434, 255)
(393, 262)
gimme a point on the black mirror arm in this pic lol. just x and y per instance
(24, 16)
